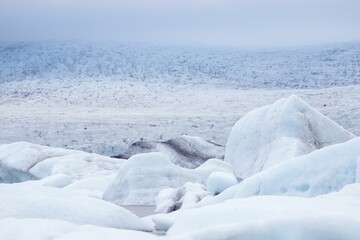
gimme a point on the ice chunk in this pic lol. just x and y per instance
(219, 181)
(31, 200)
(23, 161)
(143, 176)
(171, 199)
(322, 171)
(57, 180)
(185, 151)
(274, 133)
(291, 216)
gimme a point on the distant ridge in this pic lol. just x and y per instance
(305, 67)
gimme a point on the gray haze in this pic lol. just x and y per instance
(242, 23)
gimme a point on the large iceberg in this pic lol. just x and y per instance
(142, 177)
(271, 134)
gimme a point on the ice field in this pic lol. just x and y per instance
(213, 144)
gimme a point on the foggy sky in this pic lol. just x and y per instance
(242, 23)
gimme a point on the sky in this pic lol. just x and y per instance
(240, 23)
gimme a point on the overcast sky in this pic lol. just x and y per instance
(242, 23)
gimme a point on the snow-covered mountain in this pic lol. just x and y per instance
(285, 129)
(306, 67)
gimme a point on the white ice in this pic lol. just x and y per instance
(322, 171)
(22, 161)
(171, 199)
(272, 134)
(45, 229)
(217, 182)
(31, 200)
(142, 177)
(333, 216)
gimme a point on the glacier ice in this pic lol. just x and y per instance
(217, 182)
(142, 177)
(185, 151)
(275, 133)
(30, 200)
(282, 216)
(21, 161)
(322, 171)
(171, 199)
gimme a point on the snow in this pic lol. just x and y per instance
(23, 161)
(57, 180)
(185, 151)
(274, 217)
(322, 171)
(171, 199)
(272, 134)
(92, 186)
(219, 181)
(142, 177)
(44, 229)
(296, 228)
(30, 200)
